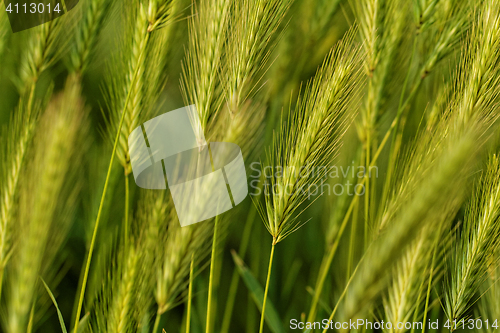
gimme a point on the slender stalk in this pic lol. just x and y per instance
(367, 190)
(157, 321)
(101, 205)
(373, 191)
(354, 225)
(31, 98)
(236, 276)
(255, 267)
(342, 296)
(210, 284)
(402, 105)
(328, 261)
(2, 270)
(125, 219)
(325, 267)
(262, 316)
(190, 294)
(29, 329)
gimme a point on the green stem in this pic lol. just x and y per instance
(354, 228)
(342, 295)
(255, 266)
(263, 314)
(367, 192)
(2, 270)
(325, 266)
(402, 105)
(125, 220)
(101, 205)
(29, 329)
(373, 191)
(190, 294)
(210, 284)
(228, 311)
(31, 98)
(157, 321)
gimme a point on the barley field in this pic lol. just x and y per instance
(370, 136)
